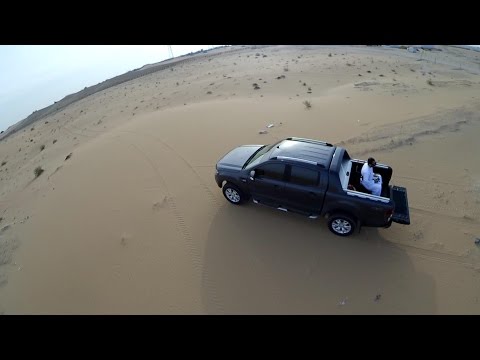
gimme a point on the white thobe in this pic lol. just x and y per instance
(368, 182)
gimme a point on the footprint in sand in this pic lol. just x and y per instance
(124, 239)
(160, 204)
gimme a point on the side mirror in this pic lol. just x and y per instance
(252, 175)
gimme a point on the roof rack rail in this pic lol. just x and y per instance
(311, 141)
(297, 159)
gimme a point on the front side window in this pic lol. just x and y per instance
(302, 176)
(270, 171)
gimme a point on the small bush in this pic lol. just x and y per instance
(54, 141)
(209, 92)
(307, 104)
(42, 147)
(430, 82)
(38, 171)
(330, 55)
(3, 163)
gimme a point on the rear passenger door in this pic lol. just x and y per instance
(303, 190)
(268, 184)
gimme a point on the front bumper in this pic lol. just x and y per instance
(218, 180)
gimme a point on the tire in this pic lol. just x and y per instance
(233, 194)
(341, 225)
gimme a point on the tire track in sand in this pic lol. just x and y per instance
(182, 226)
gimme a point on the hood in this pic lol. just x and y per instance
(238, 156)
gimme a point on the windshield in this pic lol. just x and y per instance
(257, 157)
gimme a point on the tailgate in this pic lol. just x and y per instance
(401, 214)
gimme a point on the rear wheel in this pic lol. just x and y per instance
(233, 194)
(341, 225)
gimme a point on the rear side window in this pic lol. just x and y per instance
(303, 176)
(271, 171)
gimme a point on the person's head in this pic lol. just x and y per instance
(371, 162)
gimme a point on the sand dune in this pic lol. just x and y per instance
(127, 219)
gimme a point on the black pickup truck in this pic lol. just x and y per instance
(313, 178)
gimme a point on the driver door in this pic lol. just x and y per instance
(268, 184)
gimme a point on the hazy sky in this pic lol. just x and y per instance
(34, 76)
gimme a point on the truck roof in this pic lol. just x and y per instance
(310, 151)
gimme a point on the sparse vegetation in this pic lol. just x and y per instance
(42, 147)
(32, 129)
(209, 92)
(307, 104)
(3, 163)
(330, 55)
(54, 141)
(38, 171)
(430, 82)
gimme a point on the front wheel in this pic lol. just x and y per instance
(233, 194)
(341, 225)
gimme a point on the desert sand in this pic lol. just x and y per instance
(127, 218)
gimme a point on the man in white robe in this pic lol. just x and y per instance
(370, 180)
